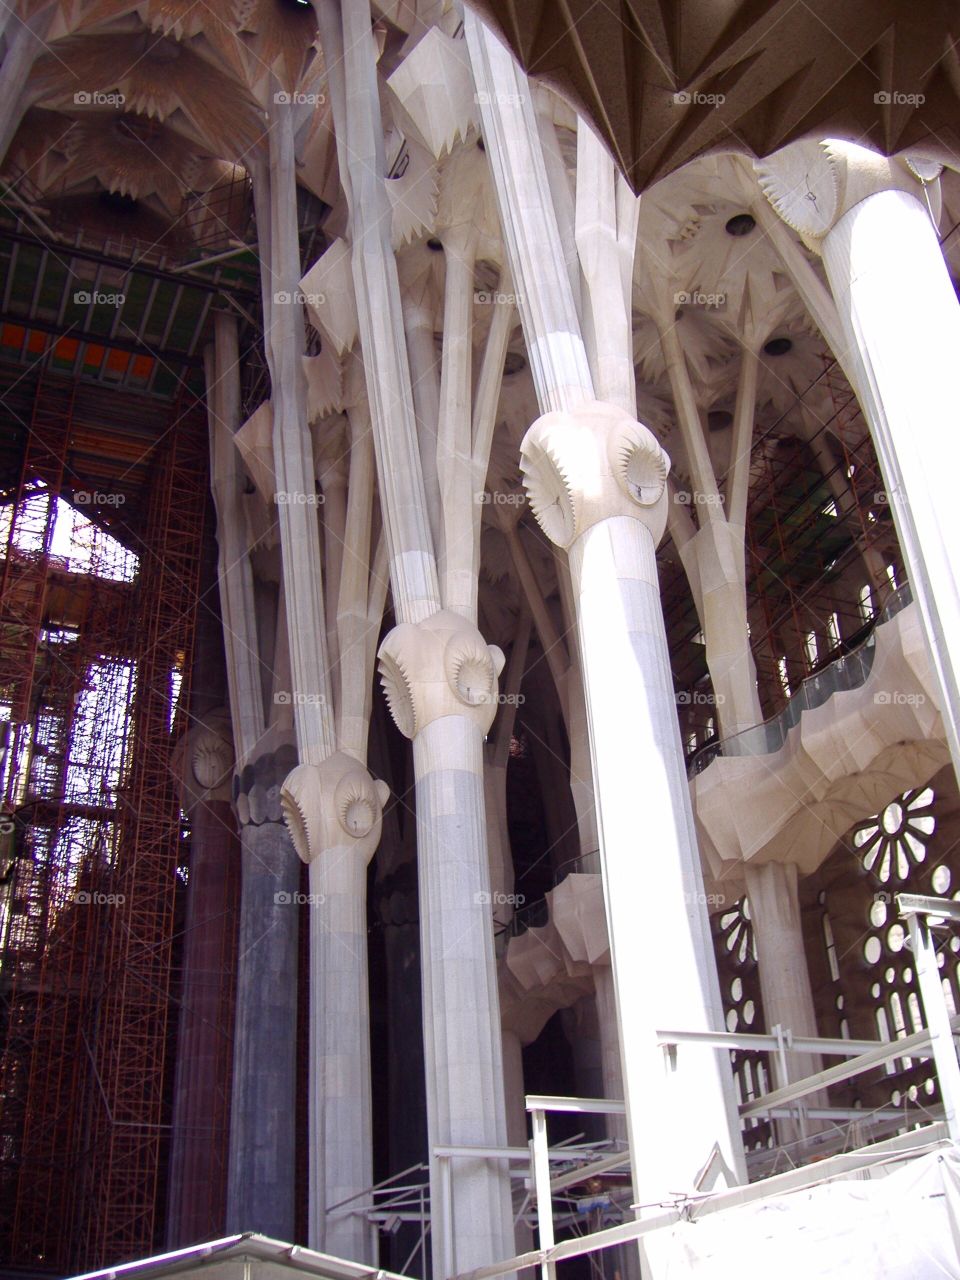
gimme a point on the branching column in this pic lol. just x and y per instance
(869, 218)
(597, 484)
(260, 1184)
(335, 811)
(441, 681)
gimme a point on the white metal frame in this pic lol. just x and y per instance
(923, 915)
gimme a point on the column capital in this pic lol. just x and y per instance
(584, 465)
(204, 760)
(256, 787)
(333, 805)
(439, 667)
(811, 184)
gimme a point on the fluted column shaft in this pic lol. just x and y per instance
(260, 1190)
(901, 319)
(649, 852)
(465, 1103)
(460, 998)
(773, 891)
(340, 1049)
(647, 841)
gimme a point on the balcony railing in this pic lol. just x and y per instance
(847, 672)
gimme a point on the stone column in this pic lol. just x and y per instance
(296, 496)
(200, 1119)
(25, 44)
(440, 679)
(260, 1193)
(772, 888)
(870, 218)
(596, 480)
(261, 1165)
(514, 1090)
(611, 1064)
(334, 811)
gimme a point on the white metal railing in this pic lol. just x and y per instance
(923, 915)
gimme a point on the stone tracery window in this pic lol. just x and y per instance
(740, 990)
(894, 842)
(893, 849)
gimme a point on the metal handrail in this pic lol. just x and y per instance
(850, 671)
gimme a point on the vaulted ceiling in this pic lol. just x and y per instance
(667, 80)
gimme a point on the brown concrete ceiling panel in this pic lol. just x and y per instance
(755, 75)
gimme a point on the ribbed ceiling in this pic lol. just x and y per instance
(752, 75)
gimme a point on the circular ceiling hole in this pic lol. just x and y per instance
(719, 419)
(434, 245)
(778, 347)
(513, 364)
(741, 224)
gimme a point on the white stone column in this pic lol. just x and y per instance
(772, 888)
(514, 1090)
(868, 217)
(296, 490)
(611, 1063)
(596, 482)
(334, 812)
(234, 571)
(440, 679)
(315, 796)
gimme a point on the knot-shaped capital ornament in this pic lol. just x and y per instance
(813, 184)
(205, 758)
(333, 805)
(587, 464)
(441, 666)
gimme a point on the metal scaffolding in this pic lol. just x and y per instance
(95, 651)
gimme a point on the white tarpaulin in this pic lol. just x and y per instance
(897, 1225)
